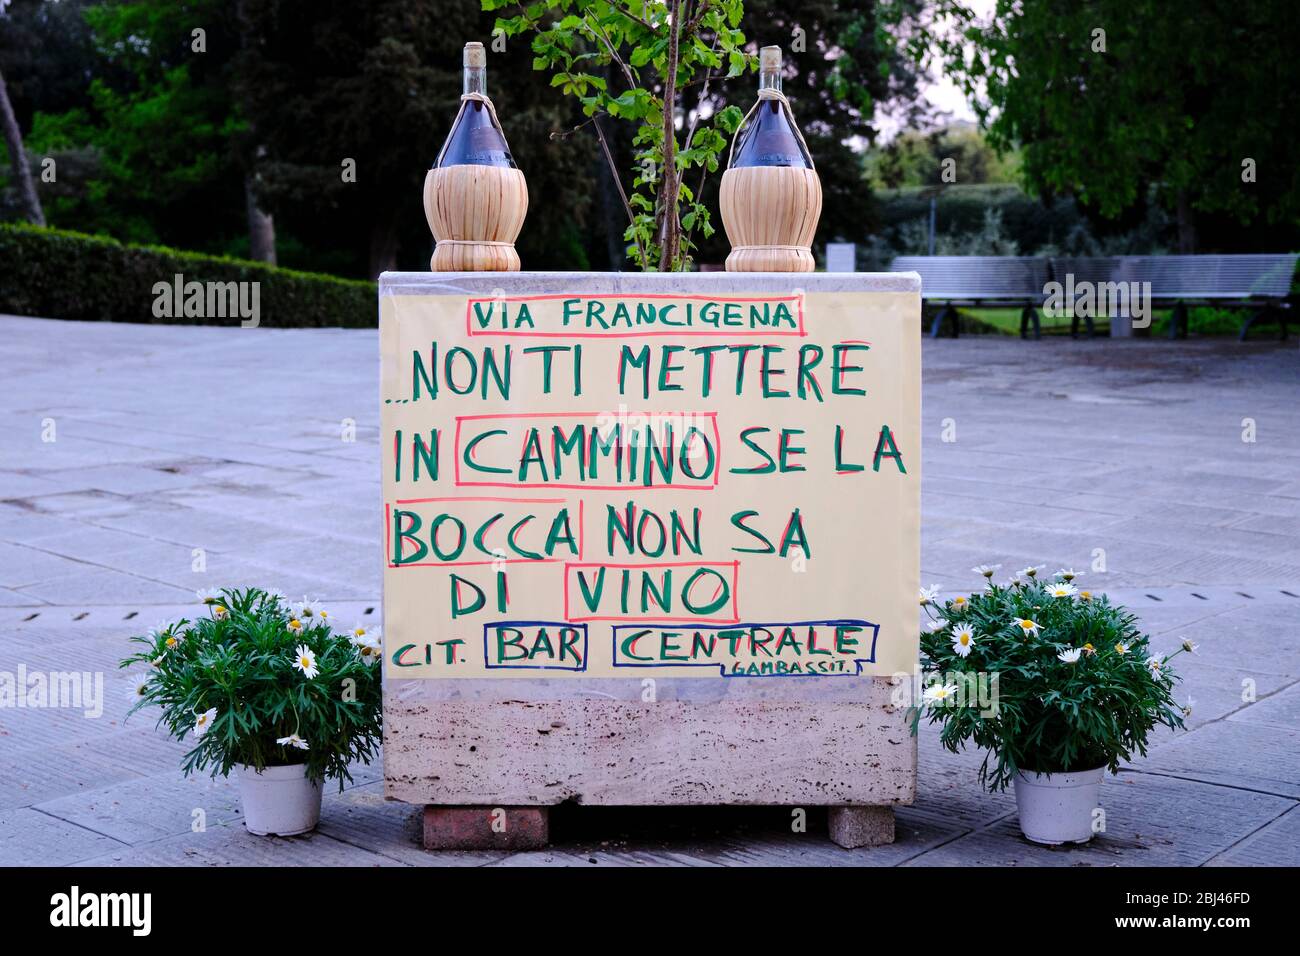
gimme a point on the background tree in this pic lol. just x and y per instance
(354, 101)
(1115, 100)
(147, 145)
(915, 158)
(18, 161)
(157, 143)
(634, 61)
(45, 52)
(843, 61)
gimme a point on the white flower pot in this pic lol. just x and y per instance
(279, 800)
(1058, 807)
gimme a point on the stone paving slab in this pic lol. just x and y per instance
(1280, 711)
(1235, 754)
(151, 808)
(1150, 821)
(234, 846)
(1277, 844)
(361, 817)
(1063, 448)
(31, 838)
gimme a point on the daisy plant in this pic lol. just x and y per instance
(1077, 686)
(257, 680)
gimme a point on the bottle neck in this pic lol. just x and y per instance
(769, 80)
(475, 80)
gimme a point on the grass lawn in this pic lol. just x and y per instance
(1007, 321)
(1201, 320)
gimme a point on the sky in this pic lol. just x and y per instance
(940, 90)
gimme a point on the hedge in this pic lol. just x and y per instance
(960, 208)
(57, 274)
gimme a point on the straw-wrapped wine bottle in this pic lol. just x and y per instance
(475, 198)
(771, 197)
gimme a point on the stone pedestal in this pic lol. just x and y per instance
(524, 740)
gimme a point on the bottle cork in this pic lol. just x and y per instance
(769, 59)
(476, 56)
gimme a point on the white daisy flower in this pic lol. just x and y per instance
(360, 634)
(139, 686)
(208, 595)
(986, 569)
(1028, 626)
(929, 594)
(938, 693)
(367, 641)
(1014, 581)
(204, 722)
(220, 612)
(1189, 647)
(294, 625)
(1062, 590)
(293, 740)
(172, 641)
(1154, 666)
(1031, 571)
(960, 602)
(309, 612)
(305, 660)
(1121, 648)
(936, 626)
(1068, 574)
(963, 639)
(1071, 656)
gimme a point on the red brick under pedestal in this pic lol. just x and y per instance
(486, 828)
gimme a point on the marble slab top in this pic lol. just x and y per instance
(517, 283)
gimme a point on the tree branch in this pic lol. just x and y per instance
(622, 194)
(632, 16)
(609, 47)
(671, 227)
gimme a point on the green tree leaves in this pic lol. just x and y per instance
(649, 57)
(1114, 99)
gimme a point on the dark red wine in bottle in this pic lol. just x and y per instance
(768, 137)
(476, 138)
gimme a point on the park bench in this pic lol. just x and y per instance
(979, 280)
(1261, 283)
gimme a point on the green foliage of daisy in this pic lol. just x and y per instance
(254, 680)
(1072, 678)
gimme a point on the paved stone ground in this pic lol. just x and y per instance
(229, 440)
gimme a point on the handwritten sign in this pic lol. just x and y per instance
(687, 485)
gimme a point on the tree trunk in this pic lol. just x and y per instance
(1186, 225)
(261, 227)
(670, 228)
(31, 203)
